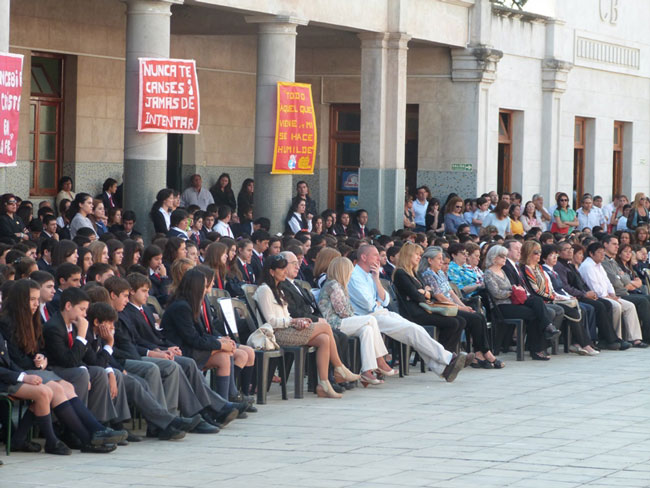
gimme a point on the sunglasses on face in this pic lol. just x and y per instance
(564, 199)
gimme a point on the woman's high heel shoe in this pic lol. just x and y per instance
(343, 374)
(368, 378)
(325, 390)
(391, 372)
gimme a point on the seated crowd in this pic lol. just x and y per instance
(94, 321)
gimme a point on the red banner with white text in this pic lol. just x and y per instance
(169, 96)
(11, 86)
(295, 130)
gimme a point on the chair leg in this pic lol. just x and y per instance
(283, 377)
(262, 362)
(312, 372)
(520, 341)
(298, 373)
(10, 407)
(406, 358)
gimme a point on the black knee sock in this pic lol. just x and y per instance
(223, 385)
(86, 416)
(238, 372)
(246, 379)
(44, 423)
(65, 412)
(232, 385)
(20, 436)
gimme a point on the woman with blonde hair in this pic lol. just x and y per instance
(216, 258)
(334, 303)
(99, 252)
(323, 259)
(638, 214)
(179, 268)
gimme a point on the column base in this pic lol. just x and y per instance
(381, 194)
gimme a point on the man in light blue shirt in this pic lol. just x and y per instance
(368, 297)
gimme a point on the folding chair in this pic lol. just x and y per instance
(219, 293)
(8, 423)
(263, 359)
(498, 320)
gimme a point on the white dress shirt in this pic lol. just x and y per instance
(595, 277)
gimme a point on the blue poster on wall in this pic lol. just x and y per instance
(350, 181)
(350, 203)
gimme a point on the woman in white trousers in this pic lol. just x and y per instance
(335, 306)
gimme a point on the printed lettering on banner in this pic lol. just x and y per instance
(169, 96)
(11, 86)
(295, 130)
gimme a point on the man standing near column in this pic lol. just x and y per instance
(195, 195)
(420, 206)
(368, 297)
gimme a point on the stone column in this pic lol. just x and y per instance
(473, 69)
(4, 48)
(276, 61)
(554, 78)
(383, 118)
(145, 154)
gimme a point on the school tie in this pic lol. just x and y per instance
(205, 317)
(145, 316)
(46, 314)
(70, 340)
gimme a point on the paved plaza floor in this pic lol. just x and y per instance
(572, 421)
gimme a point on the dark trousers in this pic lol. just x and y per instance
(342, 347)
(604, 320)
(534, 314)
(449, 328)
(476, 326)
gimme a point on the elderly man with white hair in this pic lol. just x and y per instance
(541, 213)
(368, 297)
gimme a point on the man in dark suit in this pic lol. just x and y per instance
(128, 222)
(260, 240)
(301, 303)
(178, 224)
(244, 256)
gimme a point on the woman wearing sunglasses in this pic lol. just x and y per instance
(565, 218)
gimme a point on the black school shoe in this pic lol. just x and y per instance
(101, 449)
(108, 436)
(226, 415)
(60, 449)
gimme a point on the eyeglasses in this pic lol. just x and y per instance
(537, 252)
(12, 202)
(459, 206)
(564, 199)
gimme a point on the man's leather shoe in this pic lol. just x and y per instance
(612, 346)
(28, 446)
(59, 449)
(226, 415)
(204, 428)
(185, 424)
(251, 409)
(640, 345)
(551, 333)
(336, 387)
(171, 433)
(453, 368)
(108, 436)
(625, 345)
(101, 449)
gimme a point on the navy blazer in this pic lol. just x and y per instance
(59, 353)
(159, 223)
(9, 370)
(126, 340)
(247, 273)
(298, 303)
(180, 328)
(177, 233)
(256, 265)
(159, 288)
(147, 335)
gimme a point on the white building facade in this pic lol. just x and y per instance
(464, 96)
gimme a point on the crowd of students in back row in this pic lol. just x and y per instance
(76, 286)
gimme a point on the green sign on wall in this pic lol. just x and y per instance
(466, 167)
